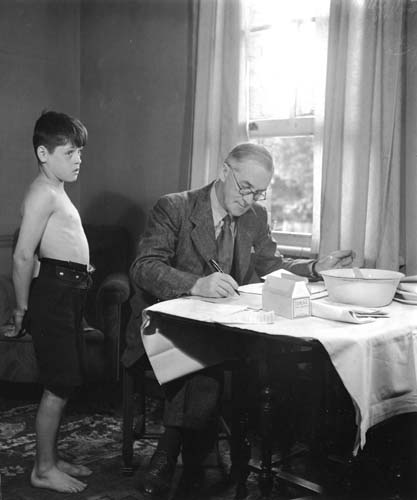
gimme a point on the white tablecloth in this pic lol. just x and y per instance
(376, 361)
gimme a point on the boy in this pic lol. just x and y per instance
(51, 304)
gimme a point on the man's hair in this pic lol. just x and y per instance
(54, 129)
(251, 151)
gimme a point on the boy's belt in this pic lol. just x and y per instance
(76, 266)
(72, 273)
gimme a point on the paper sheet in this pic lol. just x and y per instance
(255, 288)
(316, 289)
(247, 317)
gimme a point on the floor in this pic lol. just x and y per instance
(385, 470)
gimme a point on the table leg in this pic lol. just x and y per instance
(265, 477)
(240, 446)
(319, 412)
(127, 445)
(268, 419)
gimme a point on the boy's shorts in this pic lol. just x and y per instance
(55, 310)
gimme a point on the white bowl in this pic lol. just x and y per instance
(375, 289)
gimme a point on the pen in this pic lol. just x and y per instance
(219, 270)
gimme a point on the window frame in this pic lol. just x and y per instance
(290, 243)
(294, 243)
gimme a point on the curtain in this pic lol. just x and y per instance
(409, 191)
(220, 111)
(360, 202)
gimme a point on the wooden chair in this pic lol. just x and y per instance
(139, 383)
(135, 381)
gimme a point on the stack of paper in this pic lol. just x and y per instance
(226, 313)
(252, 288)
(248, 317)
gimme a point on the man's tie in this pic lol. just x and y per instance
(225, 244)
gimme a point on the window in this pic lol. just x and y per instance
(286, 50)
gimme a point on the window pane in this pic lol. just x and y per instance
(266, 12)
(292, 184)
(281, 81)
(283, 57)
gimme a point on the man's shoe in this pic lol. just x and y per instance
(156, 480)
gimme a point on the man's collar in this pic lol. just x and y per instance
(218, 211)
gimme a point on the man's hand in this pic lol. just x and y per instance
(336, 259)
(215, 285)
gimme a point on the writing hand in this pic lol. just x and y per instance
(336, 259)
(215, 285)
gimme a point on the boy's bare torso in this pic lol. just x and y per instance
(63, 237)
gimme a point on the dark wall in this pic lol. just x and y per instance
(125, 67)
(136, 85)
(39, 68)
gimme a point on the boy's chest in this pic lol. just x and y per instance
(66, 213)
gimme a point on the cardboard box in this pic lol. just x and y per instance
(287, 296)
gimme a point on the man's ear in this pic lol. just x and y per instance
(223, 170)
(41, 153)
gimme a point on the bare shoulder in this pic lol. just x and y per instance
(39, 196)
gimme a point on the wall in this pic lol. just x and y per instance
(125, 67)
(39, 68)
(136, 84)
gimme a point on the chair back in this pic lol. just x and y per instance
(110, 250)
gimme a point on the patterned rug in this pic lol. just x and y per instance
(92, 439)
(92, 435)
(89, 439)
(83, 439)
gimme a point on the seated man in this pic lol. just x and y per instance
(189, 238)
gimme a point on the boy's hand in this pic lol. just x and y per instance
(8, 331)
(19, 329)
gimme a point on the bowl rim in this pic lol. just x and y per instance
(397, 275)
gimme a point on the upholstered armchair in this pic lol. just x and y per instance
(105, 313)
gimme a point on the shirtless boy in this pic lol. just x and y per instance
(50, 306)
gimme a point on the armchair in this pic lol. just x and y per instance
(104, 319)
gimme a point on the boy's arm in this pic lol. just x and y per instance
(37, 208)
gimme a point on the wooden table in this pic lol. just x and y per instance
(186, 335)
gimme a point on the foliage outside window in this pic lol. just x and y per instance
(284, 55)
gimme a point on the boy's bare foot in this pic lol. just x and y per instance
(76, 470)
(54, 479)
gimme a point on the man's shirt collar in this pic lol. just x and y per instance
(218, 211)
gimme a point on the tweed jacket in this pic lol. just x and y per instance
(177, 245)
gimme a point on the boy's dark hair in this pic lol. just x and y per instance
(54, 129)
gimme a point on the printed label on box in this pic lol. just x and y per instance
(301, 307)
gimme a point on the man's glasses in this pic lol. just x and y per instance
(257, 195)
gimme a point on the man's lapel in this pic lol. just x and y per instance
(202, 234)
(204, 238)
